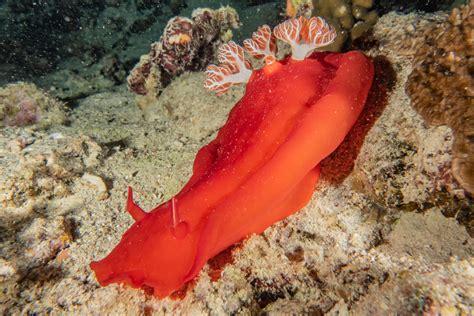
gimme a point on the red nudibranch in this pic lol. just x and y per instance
(263, 164)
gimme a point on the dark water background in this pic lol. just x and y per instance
(41, 39)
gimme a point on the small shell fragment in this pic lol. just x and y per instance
(96, 181)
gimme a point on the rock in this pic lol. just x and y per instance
(98, 183)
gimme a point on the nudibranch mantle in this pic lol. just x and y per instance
(263, 164)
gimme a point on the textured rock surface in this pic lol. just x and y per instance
(23, 104)
(39, 203)
(386, 238)
(441, 85)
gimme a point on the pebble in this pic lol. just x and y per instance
(55, 136)
(96, 181)
(6, 270)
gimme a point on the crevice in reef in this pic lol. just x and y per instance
(337, 166)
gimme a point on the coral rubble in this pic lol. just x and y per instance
(36, 202)
(186, 45)
(40, 175)
(441, 86)
(24, 104)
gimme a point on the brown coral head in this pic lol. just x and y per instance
(168, 62)
(178, 31)
(463, 161)
(441, 86)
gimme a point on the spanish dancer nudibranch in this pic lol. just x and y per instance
(263, 164)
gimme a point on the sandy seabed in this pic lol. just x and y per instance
(385, 239)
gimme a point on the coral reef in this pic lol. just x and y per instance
(350, 251)
(441, 86)
(351, 19)
(186, 45)
(24, 104)
(435, 291)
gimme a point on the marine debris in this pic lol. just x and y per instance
(186, 45)
(441, 86)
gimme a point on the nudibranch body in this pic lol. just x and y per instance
(263, 164)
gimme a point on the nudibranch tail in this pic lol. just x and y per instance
(262, 44)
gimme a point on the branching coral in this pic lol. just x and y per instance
(350, 18)
(24, 104)
(441, 86)
(186, 45)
